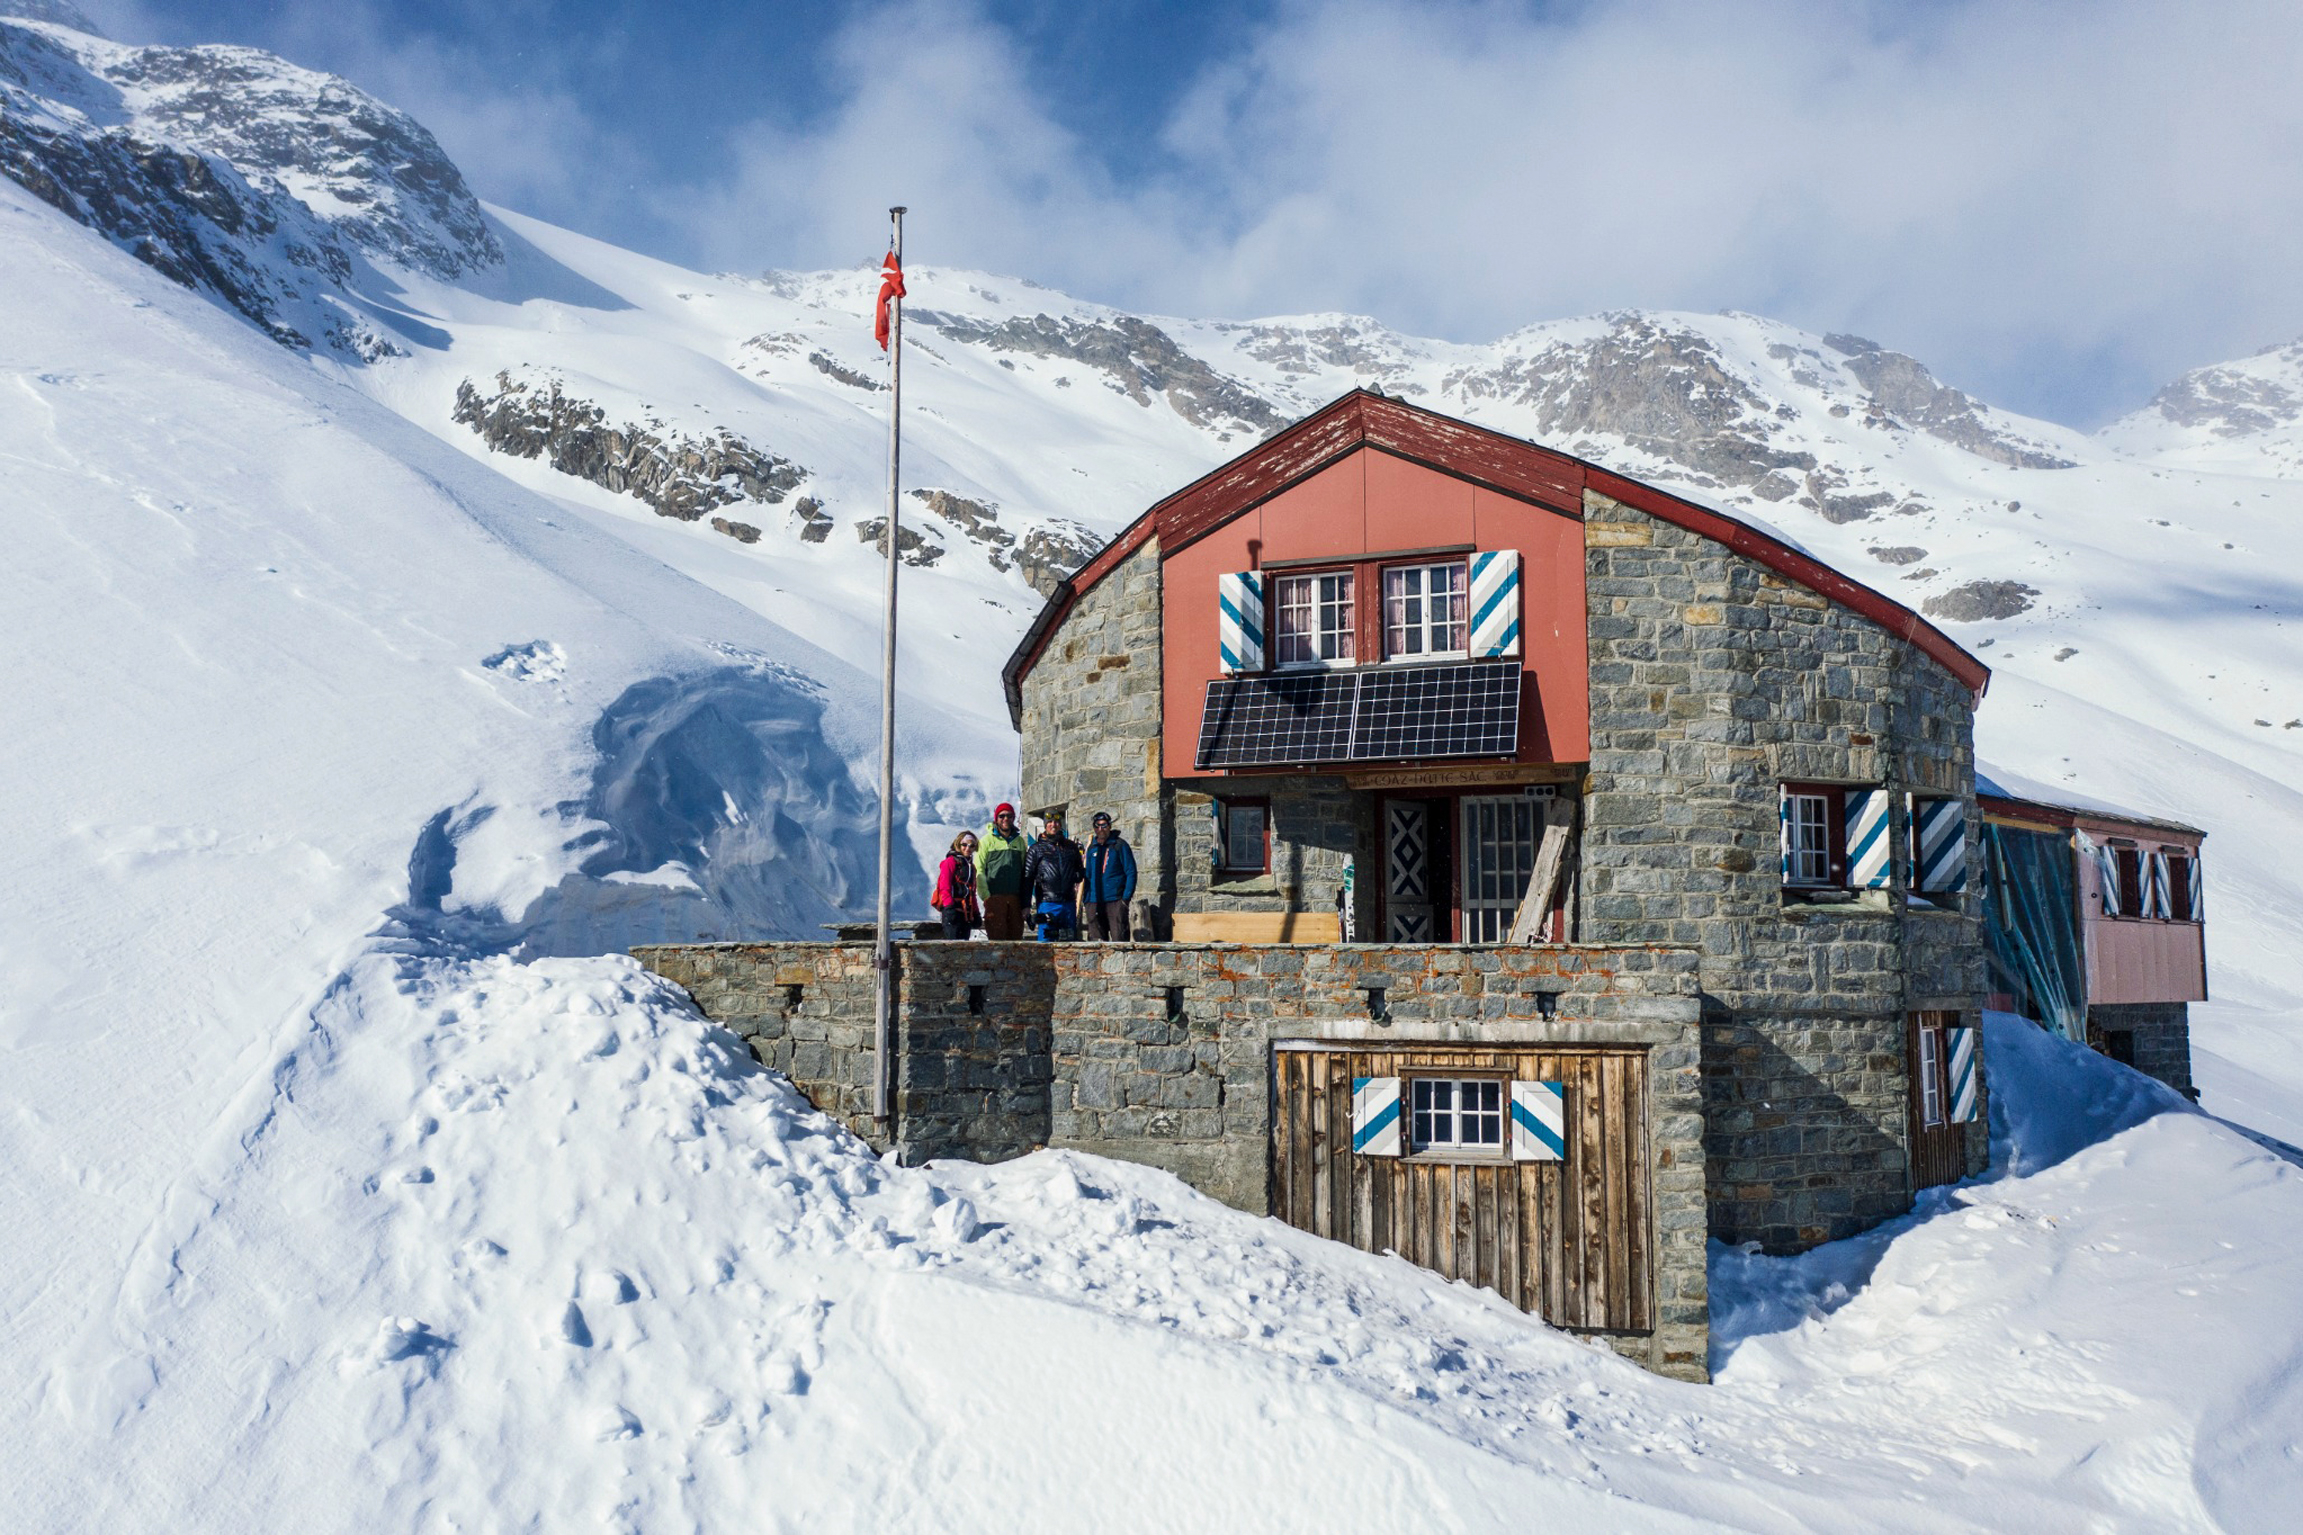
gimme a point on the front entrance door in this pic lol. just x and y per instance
(1501, 834)
(1415, 871)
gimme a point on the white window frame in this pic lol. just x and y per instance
(1436, 1116)
(1399, 627)
(1931, 1111)
(1807, 866)
(1314, 610)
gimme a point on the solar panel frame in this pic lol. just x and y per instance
(1361, 714)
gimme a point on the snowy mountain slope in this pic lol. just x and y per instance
(2245, 417)
(284, 673)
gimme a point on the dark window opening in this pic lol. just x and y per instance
(1243, 833)
(1175, 1012)
(792, 995)
(2130, 862)
(976, 999)
(1547, 1004)
(2119, 1044)
(1377, 1007)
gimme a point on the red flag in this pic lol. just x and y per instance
(891, 287)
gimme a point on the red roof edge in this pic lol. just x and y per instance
(1744, 539)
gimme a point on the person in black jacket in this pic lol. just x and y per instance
(1108, 882)
(1052, 871)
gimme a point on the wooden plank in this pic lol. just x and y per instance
(1284, 1068)
(1639, 1220)
(1591, 1128)
(1619, 1235)
(1258, 927)
(1340, 1157)
(1487, 1226)
(1321, 1104)
(1535, 906)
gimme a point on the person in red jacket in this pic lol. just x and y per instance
(955, 894)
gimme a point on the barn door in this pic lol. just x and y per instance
(1558, 1225)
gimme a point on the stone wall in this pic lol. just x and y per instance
(2159, 1034)
(1713, 680)
(1091, 718)
(1316, 825)
(1161, 1053)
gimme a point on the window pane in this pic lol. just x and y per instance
(1809, 826)
(1930, 1072)
(1336, 626)
(1243, 838)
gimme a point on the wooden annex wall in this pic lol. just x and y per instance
(1570, 1240)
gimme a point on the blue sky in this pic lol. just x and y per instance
(2057, 205)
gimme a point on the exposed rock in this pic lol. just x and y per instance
(815, 522)
(912, 548)
(1850, 508)
(236, 174)
(1901, 388)
(1665, 390)
(1980, 600)
(1899, 554)
(1360, 345)
(976, 521)
(2238, 399)
(842, 375)
(1141, 360)
(679, 476)
(741, 532)
(1053, 551)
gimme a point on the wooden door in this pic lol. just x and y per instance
(1938, 1143)
(1570, 1240)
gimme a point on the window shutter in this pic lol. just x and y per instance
(1867, 850)
(1939, 845)
(1375, 1116)
(2107, 872)
(2198, 896)
(1239, 621)
(1538, 1121)
(1783, 829)
(2159, 900)
(1965, 1094)
(1495, 603)
(1216, 858)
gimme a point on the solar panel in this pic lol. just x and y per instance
(1277, 719)
(1369, 714)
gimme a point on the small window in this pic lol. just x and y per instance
(1931, 1080)
(2179, 877)
(1245, 825)
(1456, 1114)
(1312, 619)
(2130, 861)
(1423, 612)
(1808, 820)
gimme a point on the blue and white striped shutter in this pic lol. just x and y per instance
(1375, 1116)
(1939, 833)
(1964, 1086)
(2198, 896)
(2107, 874)
(1239, 621)
(1538, 1121)
(1867, 847)
(1783, 829)
(2159, 898)
(1495, 603)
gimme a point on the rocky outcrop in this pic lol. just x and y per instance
(815, 522)
(1902, 390)
(2261, 394)
(839, 374)
(1043, 556)
(1138, 357)
(1899, 554)
(1359, 345)
(911, 548)
(679, 476)
(236, 174)
(741, 532)
(1979, 600)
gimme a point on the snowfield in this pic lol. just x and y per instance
(353, 1182)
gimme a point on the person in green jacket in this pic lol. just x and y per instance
(1000, 876)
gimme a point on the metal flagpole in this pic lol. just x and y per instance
(883, 955)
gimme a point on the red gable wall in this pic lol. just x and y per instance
(1369, 504)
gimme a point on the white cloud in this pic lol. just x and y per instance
(2054, 204)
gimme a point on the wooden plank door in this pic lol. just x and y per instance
(1570, 1240)
(1938, 1145)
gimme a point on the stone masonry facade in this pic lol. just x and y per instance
(1162, 1053)
(1091, 710)
(1714, 681)
(2158, 1039)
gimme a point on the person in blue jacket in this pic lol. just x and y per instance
(1108, 883)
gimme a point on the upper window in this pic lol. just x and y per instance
(1312, 622)
(2180, 877)
(1808, 820)
(2130, 861)
(1456, 1114)
(1245, 826)
(1424, 611)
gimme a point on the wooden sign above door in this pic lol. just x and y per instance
(1466, 776)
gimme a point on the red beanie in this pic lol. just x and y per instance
(1002, 808)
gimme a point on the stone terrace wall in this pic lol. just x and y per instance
(1713, 680)
(1091, 709)
(1161, 1053)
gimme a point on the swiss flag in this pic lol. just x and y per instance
(891, 287)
